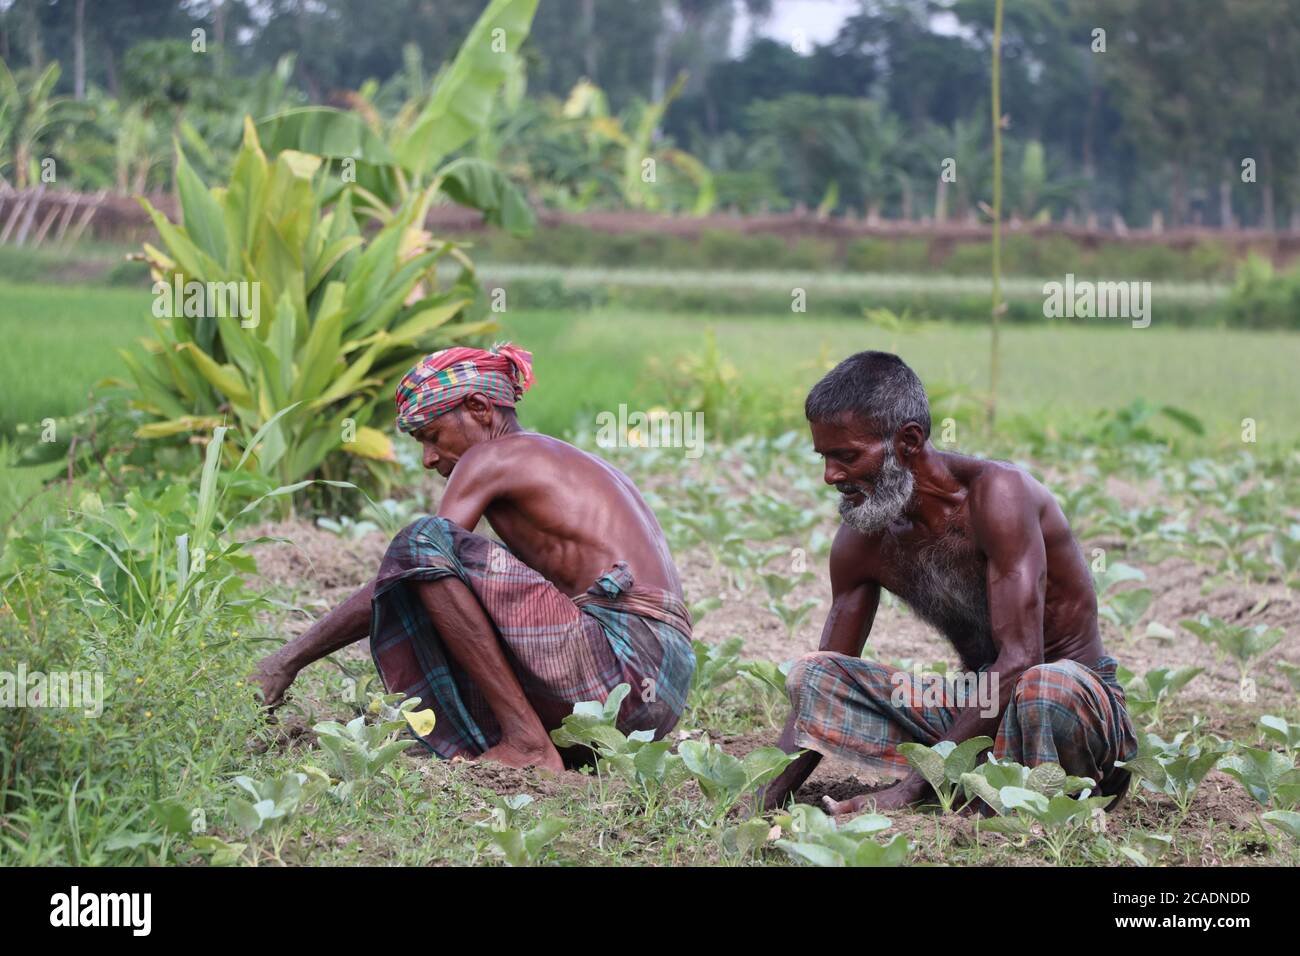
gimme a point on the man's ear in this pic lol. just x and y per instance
(479, 408)
(908, 441)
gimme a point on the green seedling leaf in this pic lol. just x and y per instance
(1288, 821)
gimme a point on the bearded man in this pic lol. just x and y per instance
(502, 639)
(979, 550)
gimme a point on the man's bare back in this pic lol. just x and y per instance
(565, 513)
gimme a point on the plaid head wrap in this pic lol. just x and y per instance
(442, 381)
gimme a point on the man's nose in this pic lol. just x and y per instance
(430, 458)
(833, 474)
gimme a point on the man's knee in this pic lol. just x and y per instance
(1049, 688)
(806, 672)
(822, 672)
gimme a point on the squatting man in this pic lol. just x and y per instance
(979, 550)
(501, 638)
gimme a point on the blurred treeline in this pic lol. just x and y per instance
(1157, 126)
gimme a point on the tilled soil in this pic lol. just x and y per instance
(318, 569)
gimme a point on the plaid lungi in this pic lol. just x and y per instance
(861, 710)
(562, 649)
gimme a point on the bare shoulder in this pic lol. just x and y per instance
(547, 458)
(1000, 488)
(855, 558)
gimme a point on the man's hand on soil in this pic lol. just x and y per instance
(273, 681)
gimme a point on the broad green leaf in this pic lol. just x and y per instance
(323, 131)
(927, 761)
(462, 101)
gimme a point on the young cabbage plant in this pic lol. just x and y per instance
(1121, 609)
(360, 750)
(815, 839)
(793, 616)
(1271, 778)
(516, 845)
(724, 779)
(269, 806)
(1290, 671)
(1285, 554)
(1147, 695)
(1241, 642)
(1060, 819)
(1146, 849)
(943, 764)
(1280, 731)
(648, 766)
(743, 841)
(768, 682)
(1288, 821)
(715, 665)
(1174, 768)
(702, 607)
(987, 780)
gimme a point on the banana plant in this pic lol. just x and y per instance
(30, 114)
(391, 161)
(328, 319)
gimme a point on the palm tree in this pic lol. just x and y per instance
(30, 117)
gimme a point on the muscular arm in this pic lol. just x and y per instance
(477, 480)
(1006, 525)
(347, 623)
(854, 600)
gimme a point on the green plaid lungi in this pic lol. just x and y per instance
(563, 650)
(860, 711)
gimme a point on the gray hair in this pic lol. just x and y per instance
(875, 386)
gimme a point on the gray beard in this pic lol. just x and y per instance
(879, 508)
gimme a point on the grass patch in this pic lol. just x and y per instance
(61, 341)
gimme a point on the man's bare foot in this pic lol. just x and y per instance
(525, 755)
(273, 680)
(838, 808)
(894, 797)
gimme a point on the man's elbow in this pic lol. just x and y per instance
(1014, 662)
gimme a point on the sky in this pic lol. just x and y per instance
(813, 21)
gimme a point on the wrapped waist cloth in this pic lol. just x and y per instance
(563, 650)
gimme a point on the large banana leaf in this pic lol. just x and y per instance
(462, 101)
